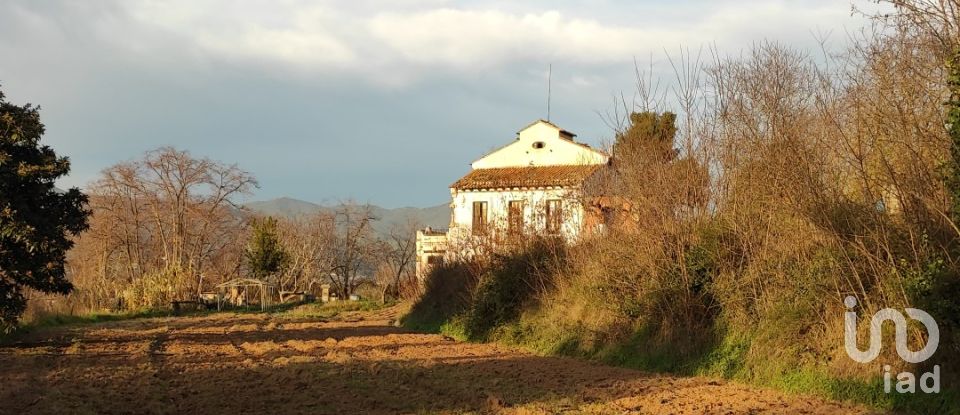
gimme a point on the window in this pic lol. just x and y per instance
(434, 259)
(554, 216)
(479, 217)
(515, 217)
(539, 144)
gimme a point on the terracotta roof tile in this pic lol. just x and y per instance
(530, 177)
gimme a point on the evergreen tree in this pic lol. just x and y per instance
(265, 254)
(36, 219)
(650, 136)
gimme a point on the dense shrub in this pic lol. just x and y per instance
(789, 183)
(511, 280)
(594, 300)
(447, 292)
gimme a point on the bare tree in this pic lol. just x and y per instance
(354, 249)
(310, 242)
(161, 223)
(398, 259)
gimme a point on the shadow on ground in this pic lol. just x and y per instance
(228, 363)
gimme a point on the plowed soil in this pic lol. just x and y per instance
(358, 362)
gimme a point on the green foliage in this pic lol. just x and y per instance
(56, 320)
(154, 289)
(509, 283)
(693, 327)
(953, 130)
(649, 133)
(456, 327)
(90, 318)
(868, 392)
(703, 257)
(331, 309)
(935, 288)
(265, 254)
(36, 221)
(447, 293)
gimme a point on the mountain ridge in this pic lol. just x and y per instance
(437, 216)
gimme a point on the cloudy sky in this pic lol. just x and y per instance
(385, 102)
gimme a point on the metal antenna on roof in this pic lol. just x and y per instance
(549, 78)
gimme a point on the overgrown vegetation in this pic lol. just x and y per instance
(90, 318)
(554, 302)
(447, 294)
(332, 309)
(167, 228)
(783, 184)
(164, 227)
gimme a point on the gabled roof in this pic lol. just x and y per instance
(550, 124)
(526, 177)
(589, 147)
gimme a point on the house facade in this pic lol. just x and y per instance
(532, 185)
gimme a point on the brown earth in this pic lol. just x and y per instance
(355, 363)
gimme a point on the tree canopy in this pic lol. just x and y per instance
(265, 254)
(36, 220)
(650, 134)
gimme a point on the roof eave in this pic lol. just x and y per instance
(541, 120)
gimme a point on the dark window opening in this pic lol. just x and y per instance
(515, 217)
(554, 216)
(479, 217)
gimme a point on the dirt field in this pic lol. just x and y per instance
(354, 363)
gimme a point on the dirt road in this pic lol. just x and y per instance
(355, 363)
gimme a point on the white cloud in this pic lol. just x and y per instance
(306, 48)
(433, 77)
(398, 44)
(486, 38)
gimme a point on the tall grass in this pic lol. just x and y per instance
(557, 301)
(57, 319)
(330, 309)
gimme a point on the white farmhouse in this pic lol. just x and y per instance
(533, 184)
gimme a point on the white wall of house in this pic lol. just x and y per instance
(430, 244)
(553, 150)
(539, 144)
(534, 210)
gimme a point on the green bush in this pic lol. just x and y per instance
(704, 307)
(448, 289)
(511, 280)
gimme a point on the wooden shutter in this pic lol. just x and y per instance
(515, 217)
(479, 217)
(554, 216)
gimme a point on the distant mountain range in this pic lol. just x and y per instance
(435, 216)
